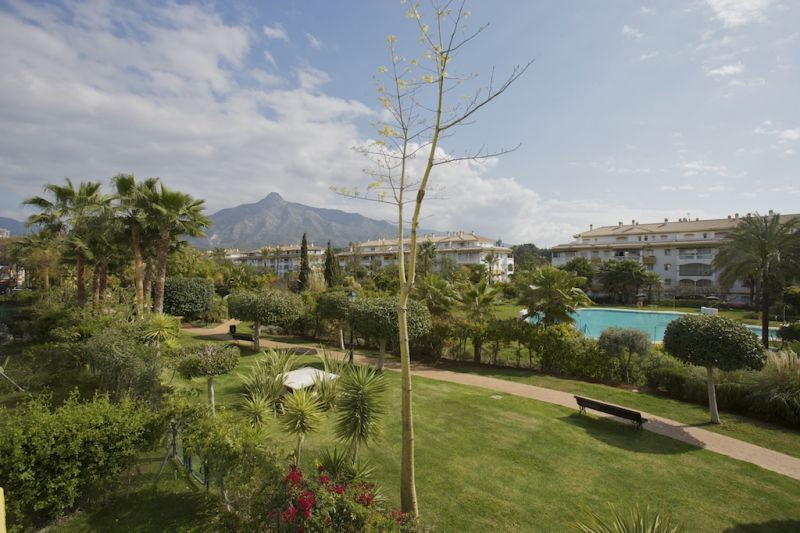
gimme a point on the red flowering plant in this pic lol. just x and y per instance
(327, 502)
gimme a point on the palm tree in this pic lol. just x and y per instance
(302, 414)
(71, 211)
(492, 259)
(553, 295)
(427, 254)
(436, 293)
(476, 301)
(765, 248)
(40, 250)
(359, 407)
(176, 214)
(133, 206)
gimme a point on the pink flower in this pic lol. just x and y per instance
(289, 514)
(324, 479)
(294, 477)
(367, 499)
(338, 489)
(306, 501)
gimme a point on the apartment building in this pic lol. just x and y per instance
(681, 252)
(462, 247)
(280, 259)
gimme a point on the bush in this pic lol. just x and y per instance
(53, 459)
(123, 364)
(324, 503)
(188, 297)
(790, 332)
(627, 346)
(209, 359)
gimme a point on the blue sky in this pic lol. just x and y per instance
(631, 110)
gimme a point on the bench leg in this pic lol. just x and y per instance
(582, 410)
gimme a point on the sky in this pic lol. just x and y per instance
(630, 109)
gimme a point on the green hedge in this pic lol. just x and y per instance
(188, 297)
(52, 460)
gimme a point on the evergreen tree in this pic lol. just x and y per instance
(302, 279)
(333, 275)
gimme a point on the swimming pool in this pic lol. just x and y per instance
(592, 322)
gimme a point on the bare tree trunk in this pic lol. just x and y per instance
(765, 309)
(256, 336)
(46, 276)
(161, 271)
(341, 337)
(211, 395)
(477, 348)
(103, 281)
(147, 283)
(138, 282)
(381, 353)
(80, 272)
(95, 286)
(712, 396)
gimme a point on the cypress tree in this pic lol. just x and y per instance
(302, 279)
(332, 272)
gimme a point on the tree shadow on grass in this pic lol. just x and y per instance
(626, 436)
(776, 526)
(151, 510)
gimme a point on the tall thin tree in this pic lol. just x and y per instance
(305, 270)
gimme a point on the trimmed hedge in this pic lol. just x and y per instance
(188, 297)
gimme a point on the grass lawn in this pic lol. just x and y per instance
(515, 464)
(739, 427)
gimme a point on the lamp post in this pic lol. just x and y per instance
(351, 297)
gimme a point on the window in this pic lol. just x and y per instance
(640, 238)
(510, 256)
(705, 235)
(695, 269)
(688, 235)
(555, 255)
(667, 266)
(621, 239)
(663, 237)
(667, 252)
(645, 237)
(667, 281)
(511, 267)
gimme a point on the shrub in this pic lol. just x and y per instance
(628, 346)
(218, 311)
(53, 459)
(188, 297)
(266, 308)
(123, 365)
(790, 332)
(323, 503)
(636, 520)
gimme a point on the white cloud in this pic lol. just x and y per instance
(313, 42)
(644, 10)
(648, 55)
(276, 31)
(268, 57)
(790, 135)
(734, 13)
(726, 70)
(698, 167)
(749, 82)
(632, 33)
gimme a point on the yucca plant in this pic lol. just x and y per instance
(360, 407)
(159, 328)
(339, 465)
(257, 410)
(266, 378)
(636, 520)
(301, 415)
(326, 391)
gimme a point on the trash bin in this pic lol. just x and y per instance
(232, 329)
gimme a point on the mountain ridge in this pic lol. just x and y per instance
(275, 221)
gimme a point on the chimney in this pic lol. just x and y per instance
(633, 222)
(619, 223)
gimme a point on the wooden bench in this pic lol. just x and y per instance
(615, 410)
(242, 337)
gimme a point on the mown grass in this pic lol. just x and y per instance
(515, 464)
(771, 436)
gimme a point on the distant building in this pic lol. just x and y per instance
(681, 252)
(4, 233)
(280, 259)
(462, 247)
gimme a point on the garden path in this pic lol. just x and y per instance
(696, 436)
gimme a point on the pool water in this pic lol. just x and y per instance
(592, 322)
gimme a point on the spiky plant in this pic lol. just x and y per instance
(257, 410)
(360, 407)
(301, 415)
(635, 520)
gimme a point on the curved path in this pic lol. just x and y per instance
(715, 442)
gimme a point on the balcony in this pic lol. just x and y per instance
(649, 260)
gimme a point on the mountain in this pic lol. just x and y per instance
(14, 226)
(273, 220)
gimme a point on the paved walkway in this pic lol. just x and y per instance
(715, 442)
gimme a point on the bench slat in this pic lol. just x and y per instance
(614, 410)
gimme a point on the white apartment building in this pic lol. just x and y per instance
(280, 259)
(681, 252)
(462, 247)
(5, 234)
